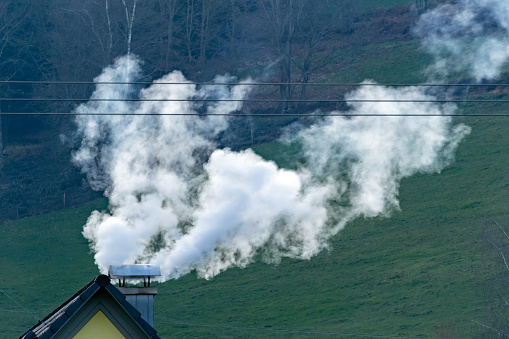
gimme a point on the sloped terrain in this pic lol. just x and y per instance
(36, 170)
(419, 272)
(416, 273)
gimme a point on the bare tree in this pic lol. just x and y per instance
(206, 13)
(129, 17)
(242, 29)
(190, 27)
(306, 24)
(318, 21)
(163, 19)
(282, 17)
(12, 16)
(109, 44)
(172, 7)
(204, 23)
(421, 4)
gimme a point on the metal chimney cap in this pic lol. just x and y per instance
(134, 271)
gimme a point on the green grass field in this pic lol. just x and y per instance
(410, 274)
(416, 273)
(388, 62)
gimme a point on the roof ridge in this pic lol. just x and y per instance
(59, 317)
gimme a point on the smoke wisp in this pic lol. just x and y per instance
(466, 36)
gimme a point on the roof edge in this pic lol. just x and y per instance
(59, 317)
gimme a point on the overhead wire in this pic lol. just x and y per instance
(276, 115)
(259, 100)
(297, 101)
(331, 84)
(24, 308)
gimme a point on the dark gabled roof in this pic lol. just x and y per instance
(59, 317)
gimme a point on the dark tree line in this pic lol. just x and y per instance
(72, 40)
(421, 4)
(75, 39)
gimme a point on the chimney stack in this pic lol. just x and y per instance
(142, 298)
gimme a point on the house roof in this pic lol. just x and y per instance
(60, 316)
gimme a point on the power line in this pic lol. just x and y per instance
(259, 100)
(331, 84)
(17, 303)
(12, 311)
(276, 115)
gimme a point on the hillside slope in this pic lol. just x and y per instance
(35, 166)
(414, 273)
(418, 272)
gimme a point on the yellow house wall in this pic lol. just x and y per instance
(99, 327)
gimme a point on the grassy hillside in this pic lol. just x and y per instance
(43, 261)
(416, 273)
(388, 62)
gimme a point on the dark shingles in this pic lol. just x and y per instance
(75, 306)
(89, 292)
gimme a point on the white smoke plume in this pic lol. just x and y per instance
(147, 162)
(467, 36)
(375, 153)
(177, 201)
(248, 206)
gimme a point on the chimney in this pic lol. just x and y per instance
(142, 298)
